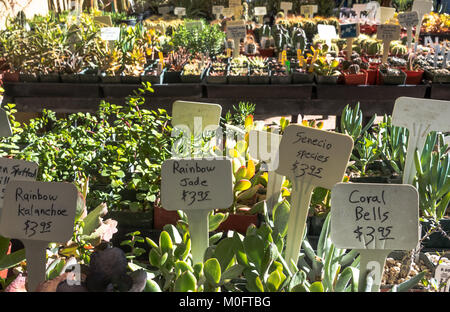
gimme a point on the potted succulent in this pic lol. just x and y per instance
(154, 73)
(238, 70)
(279, 73)
(133, 66)
(110, 66)
(259, 71)
(391, 76)
(326, 70)
(193, 71)
(217, 72)
(175, 63)
(354, 75)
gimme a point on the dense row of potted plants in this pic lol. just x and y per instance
(75, 52)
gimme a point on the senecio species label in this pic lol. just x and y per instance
(374, 216)
(188, 184)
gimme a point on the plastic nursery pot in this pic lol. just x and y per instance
(88, 78)
(29, 77)
(281, 79)
(436, 240)
(356, 79)
(413, 77)
(266, 52)
(153, 79)
(191, 78)
(372, 74)
(237, 79)
(302, 77)
(219, 79)
(130, 79)
(11, 76)
(70, 78)
(320, 79)
(54, 77)
(162, 217)
(4, 273)
(392, 79)
(110, 79)
(259, 79)
(436, 77)
(172, 76)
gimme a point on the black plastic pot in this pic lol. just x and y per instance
(320, 79)
(285, 79)
(172, 77)
(28, 77)
(298, 77)
(131, 79)
(436, 240)
(70, 78)
(49, 78)
(88, 78)
(259, 79)
(110, 79)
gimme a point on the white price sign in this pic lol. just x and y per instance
(196, 184)
(179, 11)
(236, 29)
(374, 216)
(260, 11)
(217, 9)
(110, 33)
(408, 19)
(285, 6)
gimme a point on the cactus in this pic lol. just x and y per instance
(354, 69)
(299, 38)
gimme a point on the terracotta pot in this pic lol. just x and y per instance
(11, 76)
(162, 217)
(238, 223)
(356, 79)
(4, 273)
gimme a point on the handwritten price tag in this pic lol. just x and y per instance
(196, 184)
(39, 210)
(179, 11)
(110, 33)
(15, 170)
(374, 216)
(408, 19)
(217, 9)
(260, 11)
(285, 6)
(236, 29)
(442, 276)
(315, 155)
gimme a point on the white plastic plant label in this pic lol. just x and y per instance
(5, 126)
(196, 116)
(110, 33)
(388, 32)
(217, 9)
(285, 7)
(316, 156)
(200, 184)
(260, 11)
(164, 10)
(442, 276)
(372, 8)
(374, 216)
(358, 8)
(179, 11)
(228, 12)
(43, 211)
(327, 32)
(234, 3)
(15, 170)
(408, 19)
(236, 29)
(264, 146)
(308, 10)
(386, 13)
(422, 7)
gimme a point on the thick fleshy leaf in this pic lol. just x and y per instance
(242, 185)
(281, 217)
(241, 147)
(212, 271)
(316, 287)
(274, 280)
(250, 169)
(222, 252)
(216, 219)
(263, 179)
(248, 122)
(240, 173)
(165, 242)
(239, 251)
(246, 195)
(186, 282)
(254, 248)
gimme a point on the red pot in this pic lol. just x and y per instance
(4, 273)
(413, 77)
(266, 52)
(372, 74)
(162, 217)
(238, 223)
(11, 76)
(356, 79)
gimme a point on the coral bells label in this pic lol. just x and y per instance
(39, 211)
(374, 216)
(15, 170)
(196, 184)
(314, 156)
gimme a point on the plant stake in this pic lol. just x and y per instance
(309, 157)
(374, 219)
(420, 117)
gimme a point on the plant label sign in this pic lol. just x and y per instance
(179, 11)
(374, 216)
(217, 10)
(38, 213)
(358, 8)
(420, 117)
(196, 184)
(408, 20)
(234, 3)
(105, 21)
(327, 33)
(285, 7)
(374, 219)
(422, 7)
(5, 126)
(228, 12)
(15, 170)
(308, 10)
(442, 276)
(264, 146)
(236, 30)
(349, 32)
(110, 33)
(309, 158)
(373, 8)
(386, 13)
(387, 33)
(195, 116)
(164, 10)
(260, 11)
